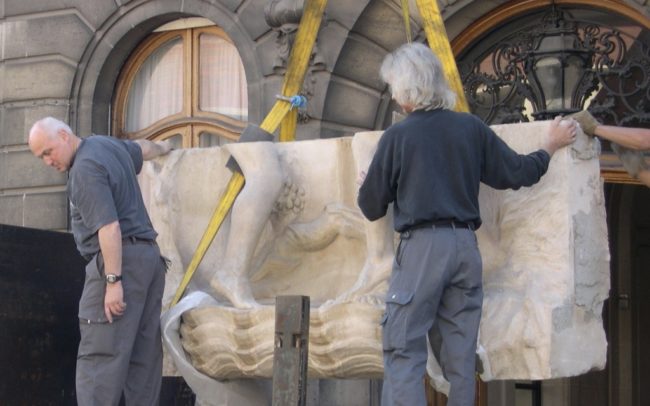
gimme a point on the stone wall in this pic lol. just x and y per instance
(62, 58)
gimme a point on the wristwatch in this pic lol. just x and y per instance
(111, 278)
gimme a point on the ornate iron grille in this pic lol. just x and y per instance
(559, 64)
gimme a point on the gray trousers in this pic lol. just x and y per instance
(124, 356)
(435, 289)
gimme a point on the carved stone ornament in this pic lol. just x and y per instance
(281, 12)
(283, 16)
(296, 229)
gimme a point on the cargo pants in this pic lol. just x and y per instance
(435, 288)
(123, 357)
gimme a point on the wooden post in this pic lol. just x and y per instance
(291, 350)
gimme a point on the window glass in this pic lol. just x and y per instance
(157, 89)
(207, 139)
(222, 78)
(189, 82)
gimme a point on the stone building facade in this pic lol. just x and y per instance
(65, 58)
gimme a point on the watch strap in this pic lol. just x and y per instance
(112, 278)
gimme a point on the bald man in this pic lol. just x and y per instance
(120, 350)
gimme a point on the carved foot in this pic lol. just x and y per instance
(348, 222)
(371, 285)
(235, 289)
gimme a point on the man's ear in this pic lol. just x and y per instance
(63, 134)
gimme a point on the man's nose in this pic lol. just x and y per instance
(48, 161)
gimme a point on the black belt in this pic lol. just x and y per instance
(444, 224)
(137, 240)
(126, 240)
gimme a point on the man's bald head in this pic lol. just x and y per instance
(49, 126)
(53, 141)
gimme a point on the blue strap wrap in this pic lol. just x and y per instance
(297, 101)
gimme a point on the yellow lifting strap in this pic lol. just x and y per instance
(281, 113)
(434, 28)
(407, 19)
(293, 79)
(289, 124)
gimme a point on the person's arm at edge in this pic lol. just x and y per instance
(633, 138)
(110, 244)
(153, 149)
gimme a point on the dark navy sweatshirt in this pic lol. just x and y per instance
(430, 166)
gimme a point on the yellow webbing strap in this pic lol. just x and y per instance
(233, 188)
(407, 19)
(293, 79)
(434, 28)
(289, 124)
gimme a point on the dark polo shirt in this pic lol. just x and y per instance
(102, 188)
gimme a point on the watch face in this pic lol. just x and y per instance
(110, 278)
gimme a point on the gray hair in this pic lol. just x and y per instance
(415, 76)
(51, 126)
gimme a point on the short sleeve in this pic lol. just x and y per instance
(135, 151)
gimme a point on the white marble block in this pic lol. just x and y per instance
(545, 266)
(296, 229)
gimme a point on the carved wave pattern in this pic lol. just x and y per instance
(229, 343)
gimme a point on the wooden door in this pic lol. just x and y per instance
(626, 313)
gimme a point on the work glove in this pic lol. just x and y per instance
(587, 122)
(633, 161)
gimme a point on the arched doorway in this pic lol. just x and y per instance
(509, 77)
(535, 62)
(626, 311)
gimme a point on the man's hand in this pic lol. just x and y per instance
(560, 134)
(587, 122)
(113, 301)
(110, 244)
(154, 149)
(165, 146)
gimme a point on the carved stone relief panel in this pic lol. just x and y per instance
(295, 229)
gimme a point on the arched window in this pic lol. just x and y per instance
(559, 59)
(186, 85)
(528, 63)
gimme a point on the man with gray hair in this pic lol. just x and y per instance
(120, 350)
(430, 166)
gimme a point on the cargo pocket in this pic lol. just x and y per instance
(97, 334)
(395, 319)
(91, 304)
(97, 339)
